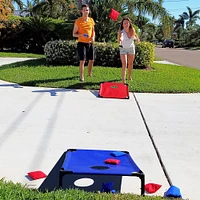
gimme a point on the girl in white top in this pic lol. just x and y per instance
(126, 36)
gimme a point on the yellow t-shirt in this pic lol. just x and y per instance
(85, 27)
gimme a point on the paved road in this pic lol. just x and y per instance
(190, 58)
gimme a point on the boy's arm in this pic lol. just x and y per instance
(75, 32)
(93, 35)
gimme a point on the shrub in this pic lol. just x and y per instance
(30, 34)
(63, 29)
(10, 29)
(144, 55)
(61, 52)
(107, 54)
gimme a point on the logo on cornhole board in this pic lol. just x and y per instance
(114, 14)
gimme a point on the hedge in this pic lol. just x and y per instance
(65, 52)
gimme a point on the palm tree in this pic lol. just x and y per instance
(147, 30)
(52, 8)
(188, 35)
(191, 16)
(167, 26)
(179, 29)
(28, 8)
(143, 7)
(180, 22)
(156, 11)
(106, 28)
(19, 3)
(40, 30)
(197, 37)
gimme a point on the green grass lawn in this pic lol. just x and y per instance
(162, 78)
(11, 191)
(20, 55)
(192, 48)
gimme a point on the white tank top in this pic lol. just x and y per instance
(127, 42)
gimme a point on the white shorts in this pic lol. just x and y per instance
(130, 50)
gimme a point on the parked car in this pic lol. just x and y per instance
(168, 43)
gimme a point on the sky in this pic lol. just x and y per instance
(177, 7)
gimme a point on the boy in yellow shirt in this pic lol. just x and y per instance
(84, 31)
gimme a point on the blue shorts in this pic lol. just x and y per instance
(130, 50)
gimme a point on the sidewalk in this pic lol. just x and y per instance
(4, 61)
(39, 124)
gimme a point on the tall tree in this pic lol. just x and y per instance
(180, 22)
(147, 30)
(167, 26)
(142, 8)
(6, 9)
(106, 28)
(52, 8)
(191, 16)
(28, 8)
(19, 3)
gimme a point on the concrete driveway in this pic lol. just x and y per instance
(160, 131)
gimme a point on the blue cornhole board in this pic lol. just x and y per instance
(89, 163)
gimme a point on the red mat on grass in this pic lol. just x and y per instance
(114, 90)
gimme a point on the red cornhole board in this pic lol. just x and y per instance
(114, 90)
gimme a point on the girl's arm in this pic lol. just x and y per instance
(119, 37)
(136, 38)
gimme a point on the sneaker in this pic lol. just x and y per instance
(81, 79)
(130, 79)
